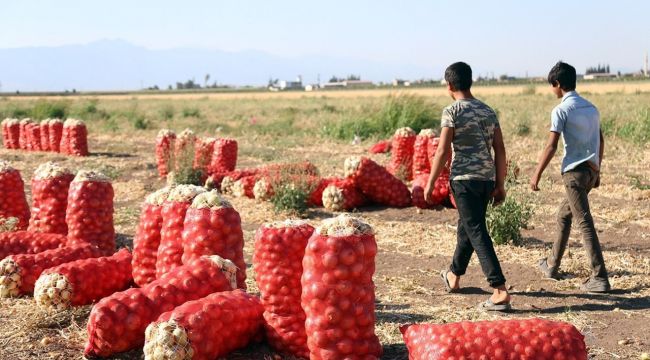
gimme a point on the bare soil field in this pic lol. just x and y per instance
(414, 245)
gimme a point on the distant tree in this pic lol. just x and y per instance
(179, 85)
(206, 79)
(334, 79)
(354, 77)
(169, 87)
(503, 77)
(600, 69)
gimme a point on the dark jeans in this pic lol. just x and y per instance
(578, 183)
(472, 197)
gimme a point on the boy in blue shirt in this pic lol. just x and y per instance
(578, 122)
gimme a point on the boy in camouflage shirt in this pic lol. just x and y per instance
(477, 178)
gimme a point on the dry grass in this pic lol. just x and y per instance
(630, 87)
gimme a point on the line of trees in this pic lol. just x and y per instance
(192, 84)
(600, 69)
(350, 77)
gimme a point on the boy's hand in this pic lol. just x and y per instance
(534, 183)
(428, 191)
(498, 195)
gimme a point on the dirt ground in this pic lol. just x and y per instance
(414, 245)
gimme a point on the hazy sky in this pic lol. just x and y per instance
(511, 37)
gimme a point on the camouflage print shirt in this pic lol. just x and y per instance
(474, 124)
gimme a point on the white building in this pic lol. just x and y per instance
(599, 76)
(287, 85)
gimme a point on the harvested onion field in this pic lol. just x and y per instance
(414, 245)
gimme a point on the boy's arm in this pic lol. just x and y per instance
(544, 158)
(439, 160)
(499, 193)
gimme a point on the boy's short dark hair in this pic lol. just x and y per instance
(459, 76)
(564, 74)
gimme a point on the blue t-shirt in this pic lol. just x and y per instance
(578, 121)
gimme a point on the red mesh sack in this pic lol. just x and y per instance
(401, 159)
(421, 155)
(342, 195)
(75, 137)
(500, 339)
(33, 136)
(440, 191)
(50, 186)
(205, 329)
(183, 156)
(89, 214)
(381, 147)
(316, 194)
(45, 135)
(12, 127)
(244, 187)
(215, 180)
(164, 147)
(117, 322)
(5, 133)
(338, 294)
(452, 201)
(84, 281)
(277, 260)
(12, 196)
(203, 153)
(18, 273)
(23, 139)
(263, 189)
(224, 156)
(213, 227)
(28, 242)
(55, 134)
(170, 250)
(230, 178)
(433, 147)
(377, 183)
(147, 238)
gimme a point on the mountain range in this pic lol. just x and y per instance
(120, 65)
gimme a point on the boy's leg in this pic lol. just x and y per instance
(578, 184)
(464, 249)
(472, 204)
(564, 217)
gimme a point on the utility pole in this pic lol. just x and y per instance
(645, 65)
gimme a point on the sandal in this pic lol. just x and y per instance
(488, 305)
(445, 280)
